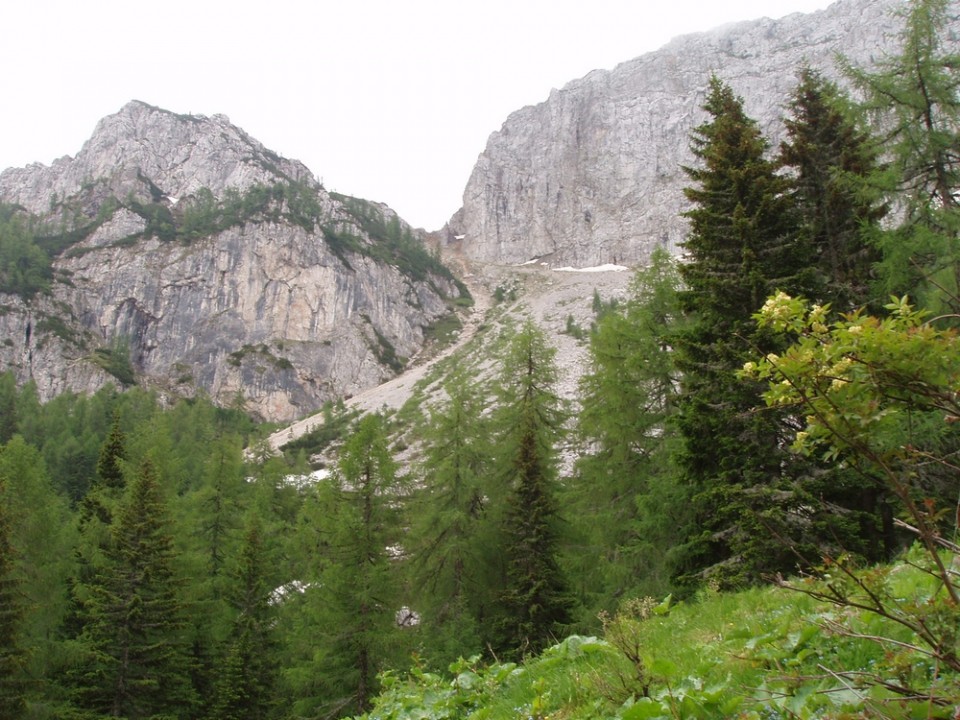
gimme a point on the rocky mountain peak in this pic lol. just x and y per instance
(172, 154)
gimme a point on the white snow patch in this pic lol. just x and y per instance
(597, 268)
(407, 617)
(281, 593)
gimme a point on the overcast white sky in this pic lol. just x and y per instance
(390, 100)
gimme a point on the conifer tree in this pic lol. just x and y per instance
(913, 96)
(832, 159)
(536, 603)
(248, 672)
(628, 396)
(834, 163)
(354, 596)
(107, 488)
(12, 654)
(741, 246)
(136, 664)
(448, 568)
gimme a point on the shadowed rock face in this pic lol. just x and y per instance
(262, 307)
(593, 174)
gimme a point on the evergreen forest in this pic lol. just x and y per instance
(750, 510)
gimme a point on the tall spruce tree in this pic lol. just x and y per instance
(832, 161)
(248, 673)
(536, 602)
(741, 246)
(914, 97)
(136, 663)
(107, 487)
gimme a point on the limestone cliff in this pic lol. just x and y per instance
(593, 174)
(189, 257)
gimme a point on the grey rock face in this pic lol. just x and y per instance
(593, 174)
(262, 308)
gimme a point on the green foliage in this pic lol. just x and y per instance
(115, 359)
(756, 654)
(444, 331)
(833, 159)
(391, 241)
(383, 349)
(160, 222)
(334, 426)
(12, 650)
(535, 605)
(261, 350)
(347, 628)
(25, 267)
(881, 394)
(446, 540)
(624, 493)
(574, 330)
(741, 246)
(135, 662)
(878, 392)
(246, 684)
(912, 95)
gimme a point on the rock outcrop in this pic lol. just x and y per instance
(190, 258)
(593, 174)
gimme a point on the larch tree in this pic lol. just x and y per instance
(913, 97)
(350, 620)
(12, 653)
(628, 396)
(448, 511)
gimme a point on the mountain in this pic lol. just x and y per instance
(186, 256)
(183, 255)
(593, 174)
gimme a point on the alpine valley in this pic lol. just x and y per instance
(187, 257)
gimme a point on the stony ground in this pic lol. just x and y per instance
(548, 296)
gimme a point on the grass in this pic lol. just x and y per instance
(763, 654)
